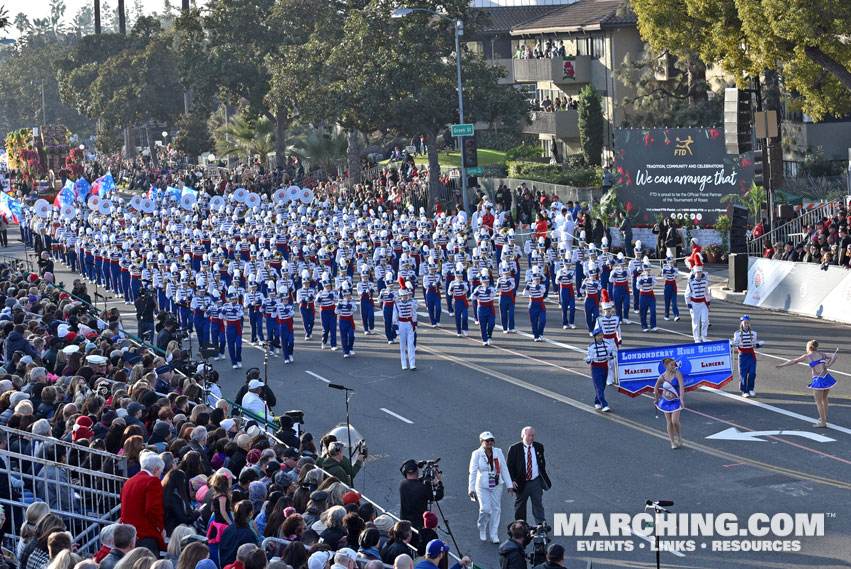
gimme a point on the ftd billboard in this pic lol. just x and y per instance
(679, 173)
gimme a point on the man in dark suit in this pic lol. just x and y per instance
(43, 242)
(528, 470)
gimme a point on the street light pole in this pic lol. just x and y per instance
(458, 26)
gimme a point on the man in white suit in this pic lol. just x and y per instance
(488, 476)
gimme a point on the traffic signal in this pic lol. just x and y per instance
(470, 150)
(738, 123)
(758, 167)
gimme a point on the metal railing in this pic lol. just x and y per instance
(84, 489)
(792, 230)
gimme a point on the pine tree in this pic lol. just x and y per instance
(591, 125)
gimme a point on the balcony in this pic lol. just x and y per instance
(560, 124)
(509, 70)
(566, 71)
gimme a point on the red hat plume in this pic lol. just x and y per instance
(402, 282)
(604, 295)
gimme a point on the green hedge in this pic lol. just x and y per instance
(553, 174)
(528, 152)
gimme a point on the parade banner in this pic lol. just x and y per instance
(681, 173)
(800, 288)
(708, 363)
(763, 277)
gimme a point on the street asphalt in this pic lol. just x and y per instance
(600, 463)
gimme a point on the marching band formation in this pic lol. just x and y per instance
(215, 261)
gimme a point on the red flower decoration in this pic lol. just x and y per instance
(628, 206)
(714, 133)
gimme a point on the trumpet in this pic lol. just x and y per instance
(329, 248)
(504, 231)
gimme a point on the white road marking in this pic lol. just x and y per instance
(773, 408)
(317, 376)
(734, 434)
(400, 417)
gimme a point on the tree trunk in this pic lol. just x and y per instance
(353, 158)
(184, 6)
(835, 68)
(187, 101)
(696, 80)
(122, 21)
(281, 125)
(433, 170)
(97, 17)
(151, 148)
(130, 142)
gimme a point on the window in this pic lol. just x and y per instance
(790, 169)
(475, 47)
(594, 46)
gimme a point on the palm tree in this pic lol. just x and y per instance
(97, 17)
(322, 147)
(4, 18)
(22, 23)
(122, 23)
(247, 138)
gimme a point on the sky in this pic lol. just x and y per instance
(41, 8)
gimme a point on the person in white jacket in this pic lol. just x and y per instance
(488, 476)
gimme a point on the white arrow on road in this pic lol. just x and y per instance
(734, 434)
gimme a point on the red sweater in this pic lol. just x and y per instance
(142, 507)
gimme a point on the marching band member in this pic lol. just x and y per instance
(253, 302)
(537, 311)
(327, 300)
(620, 289)
(591, 288)
(345, 312)
(198, 307)
(488, 475)
(505, 286)
(647, 298)
(745, 341)
(668, 398)
(599, 355)
(306, 298)
(458, 289)
(269, 312)
(611, 326)
(431, 291)
(217, 327)
(635, 272)
(405, 319)
(484, 294)
(388, 298)
(822, 380)
(697, 301)
(669, 274)
(366, 292)
(285, 311)
(233, 313)
(565, 279)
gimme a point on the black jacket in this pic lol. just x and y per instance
(176, 511)
(511, 555)
(517, 464)
(415, 496)
(266, 395)
(111, 560)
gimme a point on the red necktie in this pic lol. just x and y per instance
(529, 463)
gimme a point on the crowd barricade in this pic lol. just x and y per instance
(84, 489)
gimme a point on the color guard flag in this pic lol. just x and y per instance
(103, 185)
(174, 194)
(65, 195)
(10, 207)
(82, 187)
(153, 192)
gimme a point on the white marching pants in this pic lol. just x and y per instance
(699, 320)
(490, 508)
(406, 341)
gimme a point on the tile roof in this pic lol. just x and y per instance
(503, 18)
(581, 15)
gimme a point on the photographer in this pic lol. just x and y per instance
(336, 466)
(266, 394)
(416, 494)
(512, 552)
(166, 335)
(145, 307)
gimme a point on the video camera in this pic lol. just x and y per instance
(430, 470)
(539, 538)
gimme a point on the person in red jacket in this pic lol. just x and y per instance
(142, 503)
